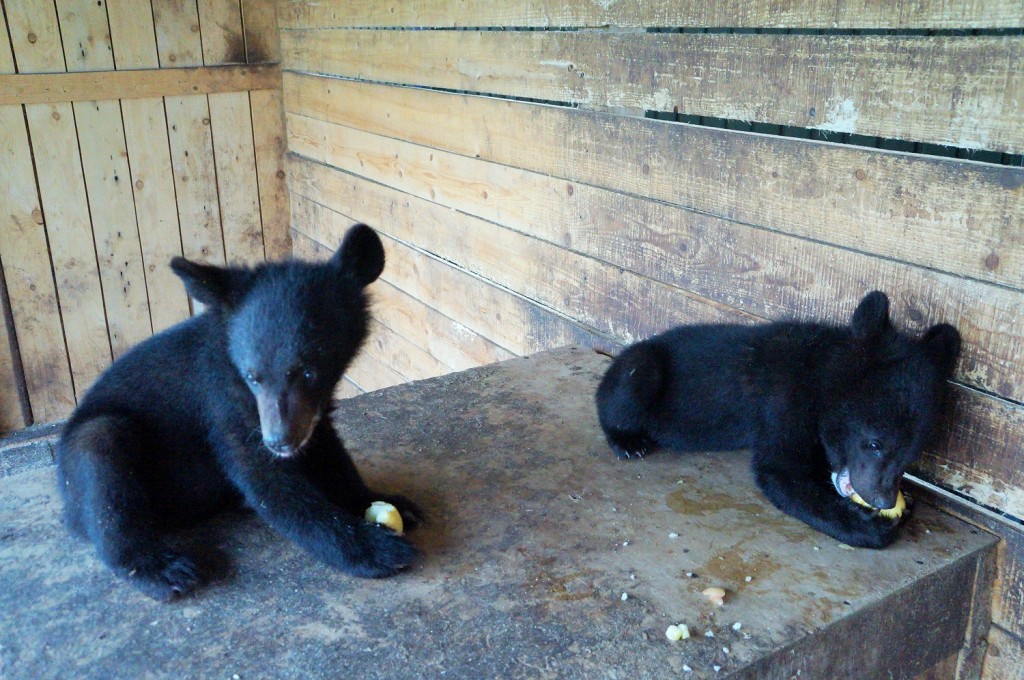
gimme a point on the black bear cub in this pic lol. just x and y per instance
(810, 399)
(232, 406)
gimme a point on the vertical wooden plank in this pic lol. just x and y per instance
(195, 178)
(31, 293)
(236, 177)
(221, 24)
(177, 33)
(259, 24)
(188, 129)
(86, 36)
(35, 37)
(149, 156)
(30, 284)
(269, 141)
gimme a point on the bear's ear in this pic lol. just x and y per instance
(211, 285)
(871, 317)
(361, 255)
(942, 345)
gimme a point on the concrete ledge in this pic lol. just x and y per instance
(537, 531)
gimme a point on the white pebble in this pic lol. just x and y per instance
(673, 535)
(689, 574)
(687, 668)
(817, 548)
(737, 625)
(709, 634)
(748, 579)
(625, 543)
(717, 668)
(625, 596)
(725, 650)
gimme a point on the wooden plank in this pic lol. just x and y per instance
(85, 33)
(958, 91)
(152, 175)
(235, 159)
(72, 250)
(259, 24)
(133, 34)
(689, 13)
(152, 180)
(195, 178)
(14, 411)
(728, 262)
(177, 33)
(143, 83)
(496, 314)
(404, 357)
(29, 279)
(895, 205)
(35, 36)
(985, 430)
(115, 230)
(592, 293)
(269, 142)
(1005, 658)
(221, 24)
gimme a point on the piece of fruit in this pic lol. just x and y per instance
(890, 513)
(715, 594)
(382, 512)
(677, 632)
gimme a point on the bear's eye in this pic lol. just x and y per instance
(873, 445)
(309, 375)
(252, 378)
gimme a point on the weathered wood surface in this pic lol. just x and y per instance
(269, 147)
(955, 216)
(536, 531)
(732, 263)
(963, 92)
(643, 13)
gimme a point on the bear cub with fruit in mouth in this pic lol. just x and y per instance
(230, 406)
(856, 403)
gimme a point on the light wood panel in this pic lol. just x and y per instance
(259, 24)
(221, 26)
(767, 274)
(642, 13)
(136, 84)
(499, 315)
(949, 215)
(237, 187)
(177, 33)
(963, 92)
(269, 146)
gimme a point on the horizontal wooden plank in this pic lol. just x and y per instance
(765, 273)
(962, 92)
(45, 88)
(636, 13)
(985, 430)
(501, 316)
(954, 216)
(593, 293)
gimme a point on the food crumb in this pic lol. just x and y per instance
(817, 548)
(673, 535)
(748, 579)
(725, 650)
(737, 625)
(709, 633)
(715, 594)
(717, 668)
(677, 632)
(687, 668)
(625, 596)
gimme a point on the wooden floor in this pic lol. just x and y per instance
(544, 557)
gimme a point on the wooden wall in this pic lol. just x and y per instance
(130, 132)
(535, 187)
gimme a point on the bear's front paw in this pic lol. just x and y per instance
(379, 552)
(164, 575)
(630, 444)
(870, 530)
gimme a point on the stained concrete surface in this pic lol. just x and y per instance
(536, 533)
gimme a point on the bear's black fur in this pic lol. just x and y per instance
(230, 406)
(810, 399)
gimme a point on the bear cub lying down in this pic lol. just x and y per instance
(226, 407)
(810, 399)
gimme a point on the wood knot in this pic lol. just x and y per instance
(860, 174)
(992, 261)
